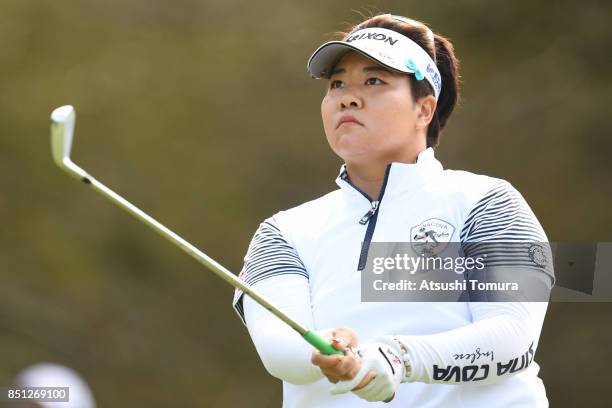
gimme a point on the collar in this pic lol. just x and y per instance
(402, 176)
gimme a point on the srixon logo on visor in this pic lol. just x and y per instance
(372, 36)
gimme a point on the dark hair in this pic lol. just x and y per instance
(443, 54)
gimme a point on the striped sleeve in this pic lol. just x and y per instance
(502, 226)
(269, 254)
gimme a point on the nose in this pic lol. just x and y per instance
(349, 99)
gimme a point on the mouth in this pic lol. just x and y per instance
(348, 120)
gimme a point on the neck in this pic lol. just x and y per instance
(368, 178)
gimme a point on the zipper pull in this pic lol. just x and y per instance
(366, 217)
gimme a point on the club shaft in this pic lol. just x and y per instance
(62, 128)
(171, 236)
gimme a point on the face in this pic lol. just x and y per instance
(369, 115)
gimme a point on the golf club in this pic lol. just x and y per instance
(62, 132)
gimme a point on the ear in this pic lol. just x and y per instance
(426, 109)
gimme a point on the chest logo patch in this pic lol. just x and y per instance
(431, 236)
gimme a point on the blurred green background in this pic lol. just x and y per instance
(202, 114)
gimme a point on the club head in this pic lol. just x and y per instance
(62, 130)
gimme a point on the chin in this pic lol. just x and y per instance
(356, 156)
(354, 148)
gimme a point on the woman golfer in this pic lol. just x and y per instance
(392, 86)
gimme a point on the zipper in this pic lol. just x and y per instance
(370, 218)
(366, 217)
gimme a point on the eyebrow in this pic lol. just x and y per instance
(365, 69)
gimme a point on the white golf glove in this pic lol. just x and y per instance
(382, 356)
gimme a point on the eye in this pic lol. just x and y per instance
(336, 84)
(374, 81)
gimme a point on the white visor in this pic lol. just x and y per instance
(387, 47)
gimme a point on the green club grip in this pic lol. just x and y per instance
(321, 344)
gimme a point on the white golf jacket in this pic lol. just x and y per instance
(308, 261)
